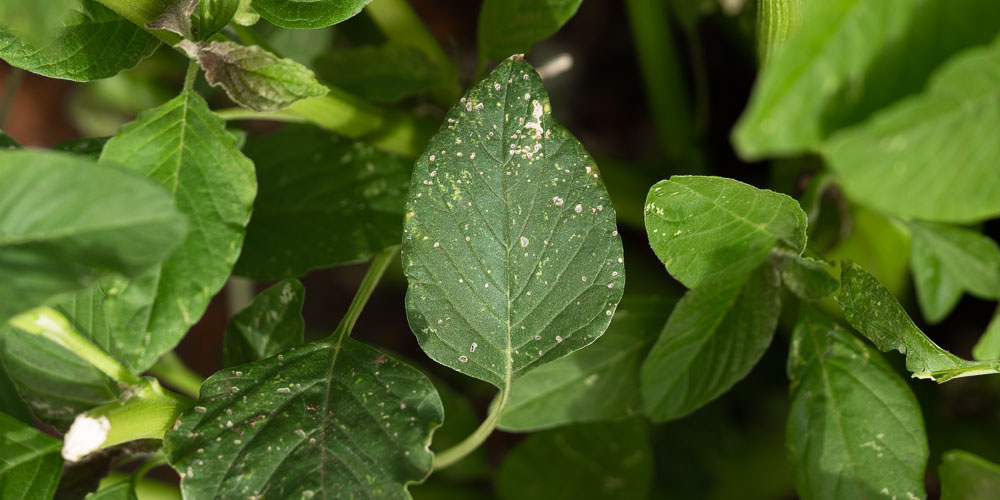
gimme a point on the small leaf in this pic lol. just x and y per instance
(185, 147)
(325, 419)
(965, 476)
(271, 324)
(122, 490)
(988, 346)
(384, 73)
(29, 462)
(854, 427)
(308, 13)
(343, 202)
(806, 277)
(176, 18)
(253, 77)
(713, 228)
(713, 338)
(509, 27)
(211, 16)
(971, 259)
(95, 43)
(509, 246)
(872, 310)
(602, 460)
(938, 292)
(600, 382)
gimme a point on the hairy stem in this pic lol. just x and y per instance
(170, 369)
(469, 444)
(375, 271)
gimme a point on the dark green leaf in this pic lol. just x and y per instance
(708, 229)
(8, 142)
(854, 427)
(211, 16)
(95, 43)
(29, 462)
(872, 310)
(600, 382)
(341, 203)
(308, 13)
(87, 146)
(66, 222)
(185, 147)
(509, 27)
(809, 278)
(602, 460)
(272, 323)
(971, 259)
(965, 476)
(10, 403)
(510, 245)
(326, 419)
(381, 73)
(988, 346)
(713, 338)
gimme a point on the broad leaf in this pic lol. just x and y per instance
(10, 403)
(381, 73)
(326, 419)
(708, 229)
(891, 162)
(66, 222)
(713, 338)
(937, 289)
(342, 202)
(308, 13)
(211, 16)
(806, 277)
(965, 476)
(271, 324)
(854, 427)
(600, 382)
(510, 245)
(602, 460)
(29, 462)
(988, 346)
(185, 147)
(509, 27)
(95, 43)
(969, 258)
(872, 310)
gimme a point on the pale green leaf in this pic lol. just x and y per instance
(969, 258)
(183, 146)
(66, 222)
(988, 346)
(713, 338)
(341, 203)
(854, 427)
(965, 476)
(35, 21)
(708, 229)
(123, 490)
(510, 245)
(384, 73)
(600, 460)
(308, 13)
(872, 310)
(893, 162)
(938, 291)
(323, 420)
(95, 43)
(271, 324)
(600, 382)
(808, 278)
(508, 27)
(29, 462)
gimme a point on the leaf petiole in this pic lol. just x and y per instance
(170, 369)
(469, 444)
(368, 284)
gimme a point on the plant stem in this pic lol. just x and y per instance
(469, 444)
(140, 12)
(191, 76)
(776, 21)
(368, 284)
(52, 325)
(170, 369)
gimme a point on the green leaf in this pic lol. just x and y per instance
(95, 43)
(29, 462)
(384, 73)
(510, 245)
(872, 310)
(509, 27)
(211, 16)
(854, 427)
(122, 490)
(10, 403)
(66, 222)
(808, 278)
(325, 419)
(971, 259)
(891, 162)
(600, 382)
(938, 291)
(601, 460)
(708, 229)
(8, 142)
(341, 203)
(988, 346)
(272, 323)
(713, 338)
(88, 146)
(965, 476)
(253, 77)
(35, 21)
(185, 147)
(308, 13)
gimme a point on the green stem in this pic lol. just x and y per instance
(170, 369)
(776, 21)
(155, 461)
(469, 444)
(368, 284)
(191, 76)
(140, 12)
(52, 325)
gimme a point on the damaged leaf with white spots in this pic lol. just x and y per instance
(272, 323)
(854, 427)
(510, 245)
